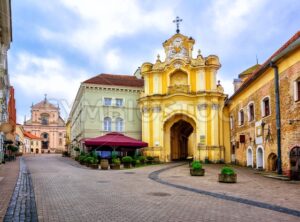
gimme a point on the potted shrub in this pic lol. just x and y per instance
(94, 163)
(135, 162)
(150, 159)
(142, 159)
(81, 159)
(88, 160)
(126, 160)
(227, 175)
(196, 169)
(115, 164)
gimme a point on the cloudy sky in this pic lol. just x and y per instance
(59, 43)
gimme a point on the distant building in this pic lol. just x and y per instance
(47, 124)
(252, 110)
(5, 40)
(32, 143)
(20, 138)
(106, 103)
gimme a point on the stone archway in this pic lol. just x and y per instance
(179, 137)
(272, 162)
(249, 157)
(259, 158)
(180, 132)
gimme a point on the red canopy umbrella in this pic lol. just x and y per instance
(115, 139)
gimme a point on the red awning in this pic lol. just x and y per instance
(114, 139)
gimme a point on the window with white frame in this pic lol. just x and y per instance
(265, 107)
(231, 122)
(241, 117)
(251, 112)
(119, 124)
(107, 101)
(297, 90)
(107, 124)
(119, 102)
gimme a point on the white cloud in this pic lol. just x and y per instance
(113, 59)
(98, 22)
(34, 76)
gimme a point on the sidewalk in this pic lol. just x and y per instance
(9, 173)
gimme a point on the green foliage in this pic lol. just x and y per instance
(142, 159)
(12, 148)
(114, 154)
(93, 154)
(196, 165)
(116, 161)
(227, 170)
(127, 159)
(93, 160)
(81, 158)
(76, 148)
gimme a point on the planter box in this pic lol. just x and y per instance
(127, 165)
(104, 164)
(94, 166)
(197, 172)
(114, 166)
(225, 178)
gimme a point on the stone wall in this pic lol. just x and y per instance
(290, 132)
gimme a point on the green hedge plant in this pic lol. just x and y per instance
(196, 165)
(227, 171)
(127, 159)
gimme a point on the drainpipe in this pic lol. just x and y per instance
(277, 105)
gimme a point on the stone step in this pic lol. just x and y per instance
(278, 177)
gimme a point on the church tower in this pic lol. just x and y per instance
(182, 105)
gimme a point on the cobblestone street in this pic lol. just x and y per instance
(66, 191)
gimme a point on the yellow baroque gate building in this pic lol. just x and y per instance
(183, 105)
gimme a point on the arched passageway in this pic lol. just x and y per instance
(180, 132)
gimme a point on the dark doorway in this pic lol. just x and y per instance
(295, 163)
(180, 132)
(45, 141)
(272, 162)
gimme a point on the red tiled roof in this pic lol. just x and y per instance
(116, 80)
(31, 136)
(259, 71)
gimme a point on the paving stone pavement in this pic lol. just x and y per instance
(8, 177)
(22, 205)
(64, 192)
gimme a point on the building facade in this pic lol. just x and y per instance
(33, 144)
(20, 138)
(254, 133)
(5, 40)
(47, 124)
(106, 103)
(183, 105)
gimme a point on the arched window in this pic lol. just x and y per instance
(265, 107)
(241, 117)
(107, 124)
(251, 111)
(119, 124)
(231, 122)
(44, 119)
